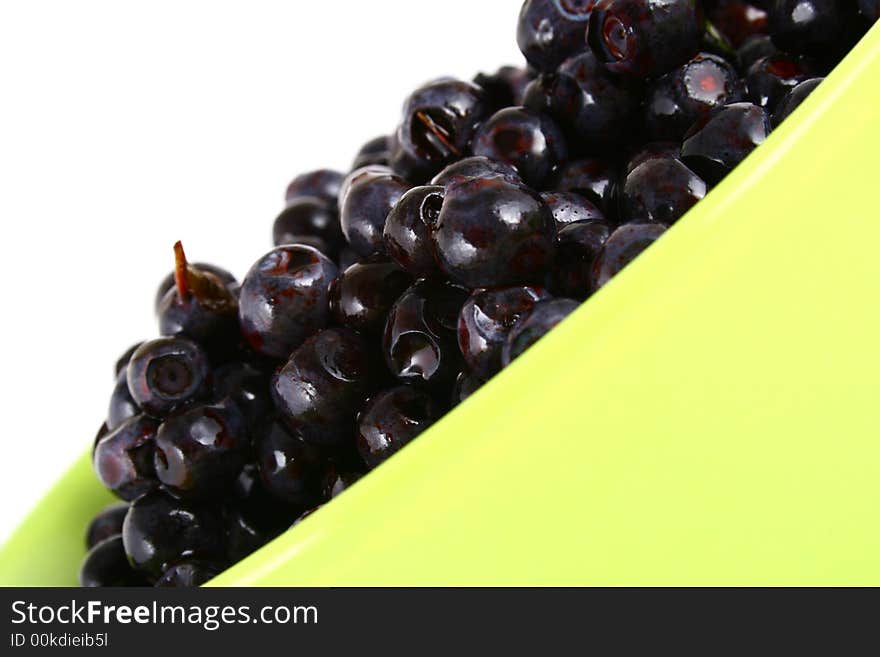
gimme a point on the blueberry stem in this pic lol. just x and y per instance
(181, 271)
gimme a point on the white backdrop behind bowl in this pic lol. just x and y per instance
(125, 126)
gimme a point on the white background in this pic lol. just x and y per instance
(125, 126)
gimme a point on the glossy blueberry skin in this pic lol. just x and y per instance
(359, 175)
(645, 38)
(485, 321)
(107, 523)
(577, 247)
(123, 459)
(650, 151)
(189, 574)
(362, 296)
(596, 109)
(167, 373)
(122, 404)
(660, 190)
(870, 9)
(168, 282)
(535, 325)
(490, 233)
(321, 183)
(569, 208)
(738, 20)
(312, 221)
(771, 78)
(201, 451)
(755, 48)
(107, 565)
(122, 362)
(320, 389)
(407, 230)
(807, 26)
(437, 125)
(246, 386)
(593, 178)
(717, 144)
(527, 140)
(254, 515)
(207, 315)
(420, 344)
(691, 91)
(291, 470)
(476, 166)
(466, 384)
(794, 99)
(505, 87)
(284, 299)
(375, 151)
(550, 31)
(393, 418)
(365, 209)
(347, 258)
(160, 530)
(621, 248)
(335, 482)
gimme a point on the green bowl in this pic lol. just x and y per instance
(711, 417)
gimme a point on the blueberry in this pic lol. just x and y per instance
(188, 574)
(169, 281)
(476, 166)
(549, 31)
(660, 190)
(645, 38)
(407, 231)
(122, 362)
(106, 524)
(621, 248)
(322, 386)
(716, 144)
(122, 404)
(123, 459)
(335, 482)
(363, 294)
(535, 325)
(794, 99)
(754, 48)
(691, 91)
(201, 451)
(771, 78)
(569, 208)
(200, 306)
(595, 108)
(738, 20)
(578, 245)
(244, 385)
(167, 373)
(505, 87)
(291, 470)
(312, 221)
(490, 233)
(375, 151)
(466, 384)
(284, 299)
(593, 178)
(870, 9)
(807, 26)
(527, 140)
(160, 530)
(438, 122)
(107, 565)
(651, 150)
(322, 183)
(420, 343)
(359, 175)
(486, 320)
(392, 419)
(364, 209)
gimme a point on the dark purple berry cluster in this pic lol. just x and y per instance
(397, 289)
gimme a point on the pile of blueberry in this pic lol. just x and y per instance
(396, 290)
